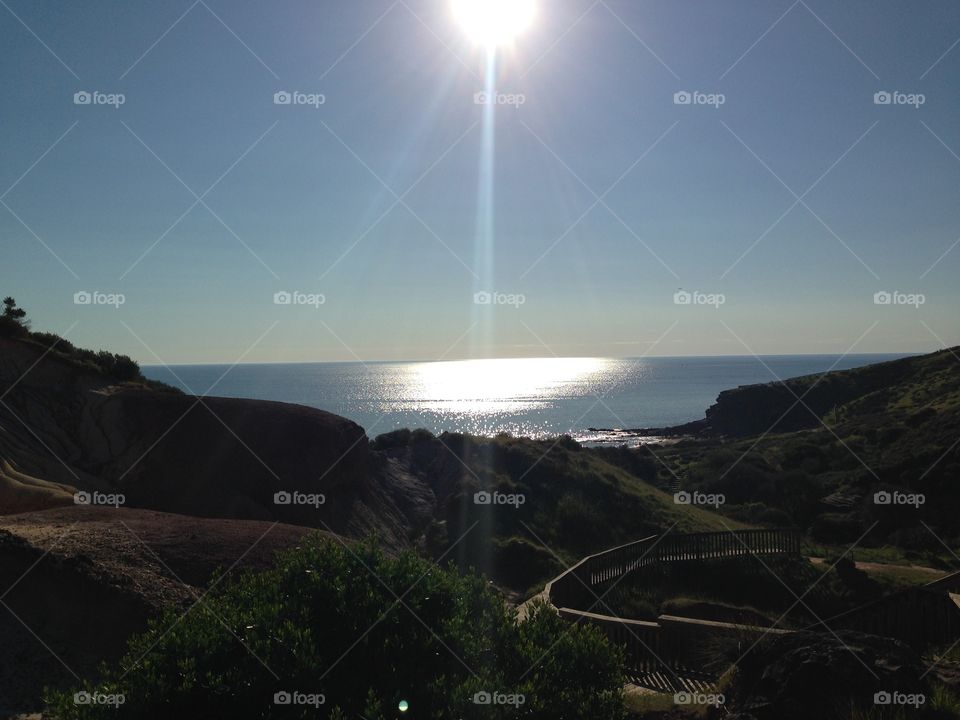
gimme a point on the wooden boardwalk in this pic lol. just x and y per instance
(662, 655)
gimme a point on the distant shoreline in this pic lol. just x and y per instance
(594, 400)
(780, 356)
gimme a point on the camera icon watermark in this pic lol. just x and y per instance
(699, 698)
(514, 300)
(99, 499)
(84, 697)
(95, 97)
(499, 98)
(897, 498)
(114, 300)
(885, 697)
(314, 300)
(714, 500)
(295, 497)
(499, 698)
(695, 97)
(297, 698)
(314, 100)
(914, 300)
(715, 300)
(498, 498)
(895, 97)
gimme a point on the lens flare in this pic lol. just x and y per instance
(494, 22)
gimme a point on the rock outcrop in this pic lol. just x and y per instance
(807, 675)
(801, 403)
(65, 428)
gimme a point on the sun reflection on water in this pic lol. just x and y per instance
(483, 386)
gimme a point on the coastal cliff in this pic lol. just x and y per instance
(800, 403)
(66, 429)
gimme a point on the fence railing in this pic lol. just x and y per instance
(738, 543)
(573, 587)
(652, 645)
(640, 640)
(669, 642)
(921, 617)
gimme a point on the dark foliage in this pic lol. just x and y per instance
(366, 632)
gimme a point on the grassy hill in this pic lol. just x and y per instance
(575, 500)
(890, 427)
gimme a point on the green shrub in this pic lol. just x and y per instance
(365, 631)
(52, 340)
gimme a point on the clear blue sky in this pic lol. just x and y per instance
(292, 203)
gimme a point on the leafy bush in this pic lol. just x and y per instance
(52, 340)
(120, 367)
(365, 631)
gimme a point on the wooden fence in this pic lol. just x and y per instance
(574, 587)
(669, 642)
(922, 617)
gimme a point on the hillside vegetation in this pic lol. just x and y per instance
(121, 368)
(568, 501)
(888, 428)
(317, 637)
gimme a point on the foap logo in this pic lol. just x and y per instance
(698, 698)
(885, 697)
(98, 498)
(895, 97)
(715, 300)
(498, 698)
(95, 97)
(896, 297)
(498, 498)
(498, 298)
(499, 98)
(295, 697)
(85, 697)
(698, 498)
(298, 498)
(296, 297)
(695, 97)
(884, 497)
(314, 100)
(114, 300)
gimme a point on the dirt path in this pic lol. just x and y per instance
(874, 567)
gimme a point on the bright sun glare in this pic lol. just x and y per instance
(494, 22)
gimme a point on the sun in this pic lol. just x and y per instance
(494, 22)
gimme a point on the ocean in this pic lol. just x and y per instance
(588, 398)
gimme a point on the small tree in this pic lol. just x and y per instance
(120, 367)
(12, 322)
(106, 361)
(125, 368)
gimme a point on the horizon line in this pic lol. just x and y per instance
(562, 357)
